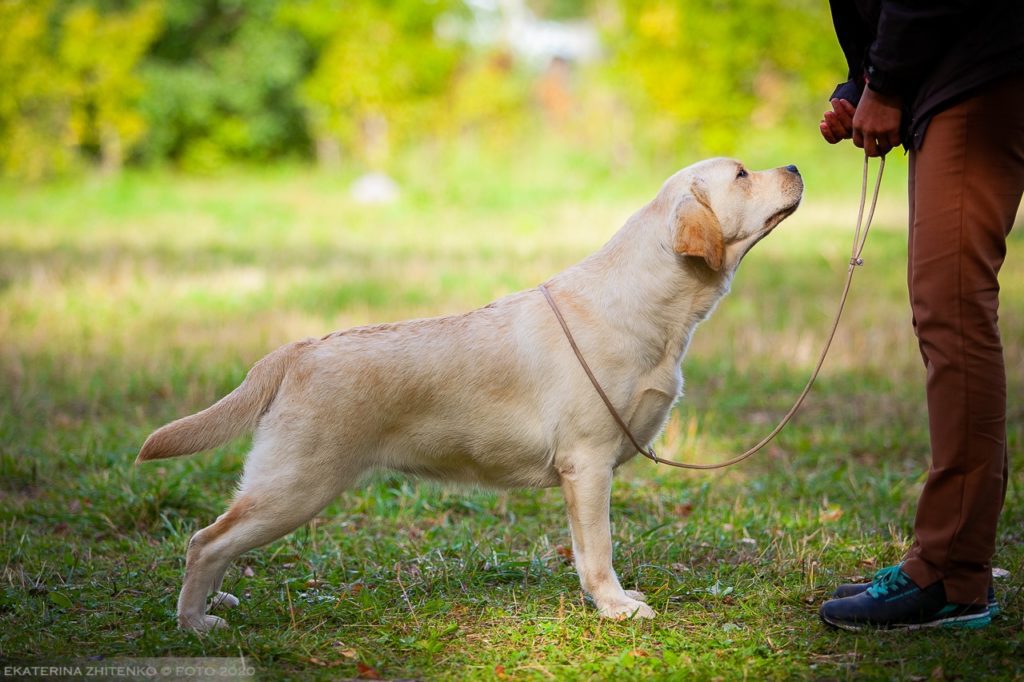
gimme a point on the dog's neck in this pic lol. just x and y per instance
(657, 296)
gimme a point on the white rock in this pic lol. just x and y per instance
(375, 188)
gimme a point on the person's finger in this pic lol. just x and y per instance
(858, 138)
(870, 145)
(843, 114)
(826, 133)
(848, 107)
(828, 122)
(887, 141)
(845, 128)
(839, 131)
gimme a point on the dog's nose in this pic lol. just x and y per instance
(793, 169)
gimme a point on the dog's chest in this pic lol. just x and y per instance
(653, 403)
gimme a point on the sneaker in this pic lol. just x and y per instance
(893, 601)
(851, 589)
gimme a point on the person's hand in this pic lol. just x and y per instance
(876, 123)
(838, 123)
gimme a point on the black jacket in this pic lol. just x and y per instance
(932, 53)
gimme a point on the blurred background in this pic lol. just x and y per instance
(363, 85)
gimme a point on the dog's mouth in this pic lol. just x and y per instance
(780, 215)
(772, 221)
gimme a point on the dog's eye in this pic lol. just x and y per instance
(742, 173)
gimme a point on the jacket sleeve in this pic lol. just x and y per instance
(912, 36)
(854, 40)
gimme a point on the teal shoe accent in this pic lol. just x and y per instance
(853, 589)
(968, 623)
(894, 601)
(888, 580)
(953, 616)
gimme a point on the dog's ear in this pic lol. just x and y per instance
(697, 230)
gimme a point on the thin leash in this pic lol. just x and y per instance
(860, 237)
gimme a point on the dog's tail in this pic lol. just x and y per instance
(235, 414)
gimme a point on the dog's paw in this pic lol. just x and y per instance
(626, 609)
(633, 594)
(201, 624)
(224, 600)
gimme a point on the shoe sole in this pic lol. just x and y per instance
(974, 621)
(993, 606)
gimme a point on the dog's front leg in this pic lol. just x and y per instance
(587, 490)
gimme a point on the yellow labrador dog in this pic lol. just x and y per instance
(493, 397)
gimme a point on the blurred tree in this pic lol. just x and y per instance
(99, 53)
(697, 71)
(380, 74)
(207, 82)
(34, 126)
(221, 85)
(489, 100)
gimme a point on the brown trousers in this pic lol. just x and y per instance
(965, 186)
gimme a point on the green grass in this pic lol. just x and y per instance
(127, 303)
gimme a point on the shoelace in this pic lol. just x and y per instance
(887, 580)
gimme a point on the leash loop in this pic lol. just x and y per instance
(860, 237)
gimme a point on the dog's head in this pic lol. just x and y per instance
(719, 209)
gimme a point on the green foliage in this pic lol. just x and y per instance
(206, 83)
(69, 83)
(380, 74)
(710, 70)
(34, 131)
(99, 55)
(221, 84)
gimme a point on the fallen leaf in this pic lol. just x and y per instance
(344, 651)
(366, 672)
(564, 552)
(499, 672)
(248, 572)
(826, 515)
(1000, 573)
(684, 509)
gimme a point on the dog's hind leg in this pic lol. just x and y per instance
(587, 488)
(267, 507)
